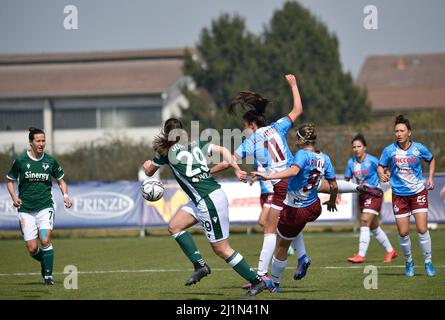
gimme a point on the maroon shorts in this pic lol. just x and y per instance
(279, 194)
(292, 220)
(370, 204)
(404, 206)
(266, 199)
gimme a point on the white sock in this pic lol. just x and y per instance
(425, 245)
(382, 238)
(405, 244)
(278, 267)
(346, 186)
(365, 238)
(266, 254)
(298, 245)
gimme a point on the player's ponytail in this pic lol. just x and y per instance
(33, 131)
(400, 119)
(253, 101)
(163, 141)
(307, 134)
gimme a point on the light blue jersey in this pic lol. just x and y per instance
(364, 172)
(268, 146)
(406, 169)
(303, 188)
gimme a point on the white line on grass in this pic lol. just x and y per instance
(187, 270)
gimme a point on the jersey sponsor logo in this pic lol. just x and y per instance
(100, 205)
(361, 172)
(405, 160)
(33, 176)
(45, 166)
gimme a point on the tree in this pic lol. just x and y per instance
(231, 59)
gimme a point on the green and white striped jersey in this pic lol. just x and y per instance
(190, 168)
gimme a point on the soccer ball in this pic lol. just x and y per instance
(152, 189)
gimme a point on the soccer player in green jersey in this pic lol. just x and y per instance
(209, 204)
(33, 170)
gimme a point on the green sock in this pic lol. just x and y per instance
(187, 245)
(38, 255)
(240, 265)
(48, 261)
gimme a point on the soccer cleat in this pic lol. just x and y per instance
(48, 281)
(259, 287)
(303, 264)
(373, 191)
(430, 270)
(290, 251)
(198, 274)
(409, 268)
(248, 284)
(357, 259)
(275, 288)
(390, 256)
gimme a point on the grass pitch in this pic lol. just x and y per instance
(155, 268)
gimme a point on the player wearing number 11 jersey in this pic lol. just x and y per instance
(209, 204)
(268, 146)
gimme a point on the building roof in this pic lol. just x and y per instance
(94, 73)
(404, 82)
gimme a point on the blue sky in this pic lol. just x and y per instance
(28, 26)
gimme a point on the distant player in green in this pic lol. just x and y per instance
(209, 204)
(33, 170)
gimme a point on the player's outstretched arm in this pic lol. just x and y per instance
(219, 167)
(297, 107)
(150, 168)
(289, 172)
(231, 159)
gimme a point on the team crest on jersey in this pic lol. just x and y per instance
(45, 166)
(416, 152)
(28, 165)
(367, 164)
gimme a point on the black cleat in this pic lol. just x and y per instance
(257, 288)
(367, 189)
(198, 274)
(48, 281)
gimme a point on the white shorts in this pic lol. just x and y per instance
(31, 223)
(213, 214)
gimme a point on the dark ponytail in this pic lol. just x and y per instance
(361, 138)
(162, 143)
(400, 119)
(33, 131)
(253, 101)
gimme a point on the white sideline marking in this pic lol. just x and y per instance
(188, 270)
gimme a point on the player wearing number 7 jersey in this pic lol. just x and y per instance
(209, 204)
(409, 195)
(268, 146)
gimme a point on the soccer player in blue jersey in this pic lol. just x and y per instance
(302, 204)
(209, 204)
(409, 195)
(362, 167)
(269, 148)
